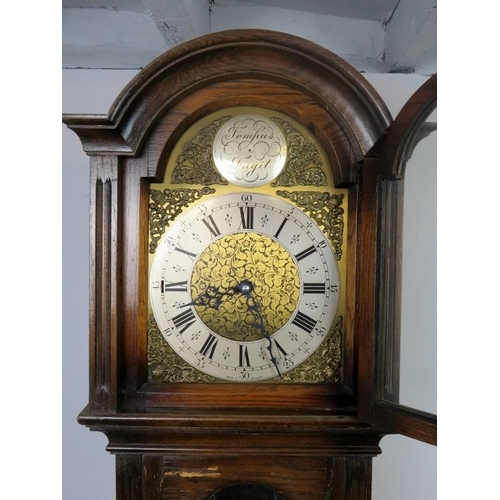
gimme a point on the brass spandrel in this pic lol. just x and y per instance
(194, 164)
(166, 205)
(303, 166)
(324, 366)
(165, 365)
(325, 209)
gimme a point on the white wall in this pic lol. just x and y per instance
(405, 470)
(88, 470)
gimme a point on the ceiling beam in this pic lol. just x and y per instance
(128, 34)
(109, 39)
(179, 20)
(128, 38)
(411, 37)
(359, 41)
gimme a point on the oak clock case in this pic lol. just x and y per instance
(246, 281)
(235, 307)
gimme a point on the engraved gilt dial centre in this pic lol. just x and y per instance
(240, 264)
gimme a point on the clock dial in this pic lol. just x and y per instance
(244, 287)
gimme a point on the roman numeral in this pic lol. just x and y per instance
(180, 286)
(314, 287)
(185, 319)
(212, 226)
(246, 217)
(280, 349)
(304, 322)
(244, 359)
(281, 227)
(191, 255)
(305, 253)
(209, 346)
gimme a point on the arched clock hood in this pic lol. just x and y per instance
(200, 76)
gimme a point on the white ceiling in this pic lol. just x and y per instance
(372, 35)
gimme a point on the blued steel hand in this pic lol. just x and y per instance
(246, 288)
(211, 297)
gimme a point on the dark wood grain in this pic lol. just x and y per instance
(105, 197)
(128, 477)
(203, 476)
(366, 288)
(152, 477)
(407, 421)
(191, 477)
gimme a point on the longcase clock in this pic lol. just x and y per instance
(241, 332)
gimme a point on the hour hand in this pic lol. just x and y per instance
(211, 297)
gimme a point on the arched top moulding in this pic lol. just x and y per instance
(346, 108)
(408, 128)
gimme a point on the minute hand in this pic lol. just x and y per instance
(259, 323)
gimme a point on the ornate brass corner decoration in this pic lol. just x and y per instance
(326, 210)
(324, 365)
(164, 365)
(195, 164)
(303, 165)
(166, 205)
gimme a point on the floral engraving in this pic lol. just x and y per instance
(166, 205)
(303, 165)
(256, 258)
(164, 365)
(195, 165)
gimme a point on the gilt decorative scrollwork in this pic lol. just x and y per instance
(303, 165)
(324, 365)
(326, 210)
(166, 205)
(195, 164)
(164, 365)
(247, 256)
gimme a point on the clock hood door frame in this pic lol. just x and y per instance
(379, 404)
